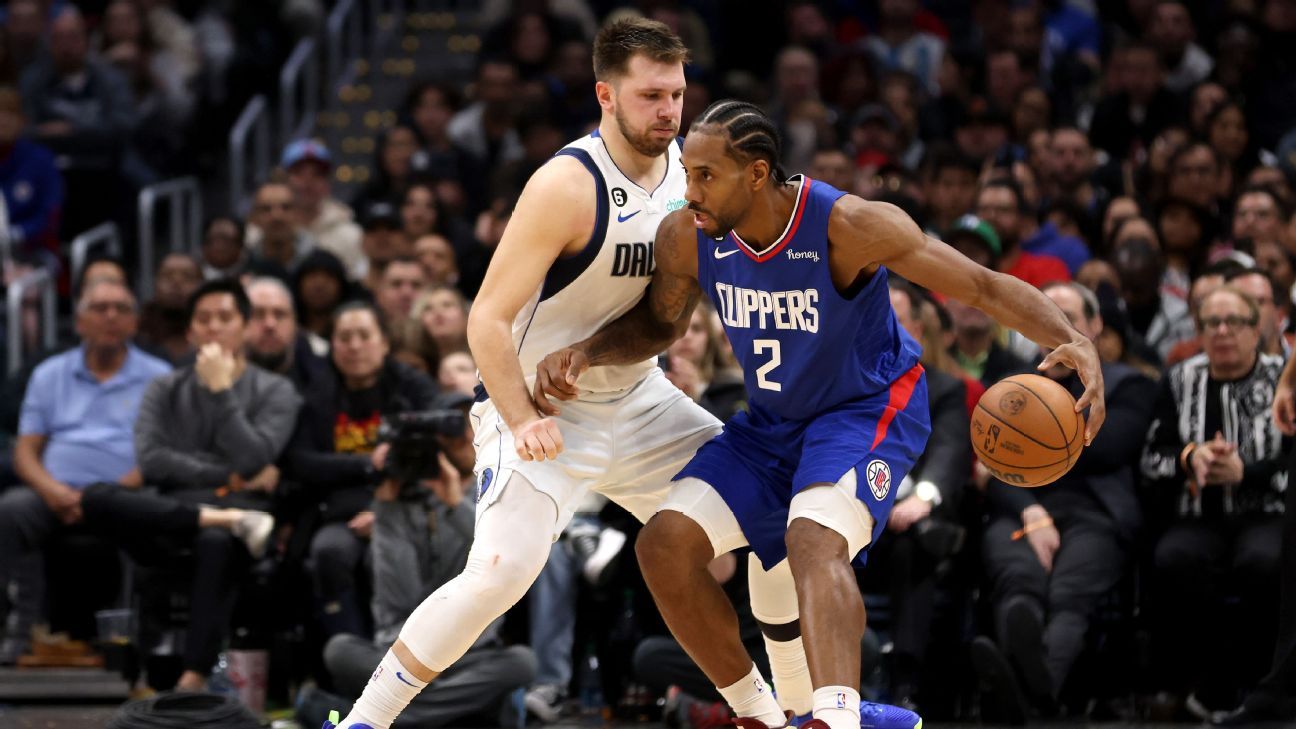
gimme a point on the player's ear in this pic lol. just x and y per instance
(603, 91)
(758, 173)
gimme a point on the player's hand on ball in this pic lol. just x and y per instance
(556, 377)
(538, 440)
(1082, 356)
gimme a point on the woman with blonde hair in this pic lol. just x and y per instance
(437, 326)
(443, 311)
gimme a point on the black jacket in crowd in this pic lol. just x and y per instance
(947, 459)
(342, 483)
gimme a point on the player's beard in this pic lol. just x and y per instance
(714, 227)
(643, 142)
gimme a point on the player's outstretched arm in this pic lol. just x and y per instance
(659, 318)
(533, 239)
(867, 234)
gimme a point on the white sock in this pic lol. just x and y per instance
(790, 675)
(837, 706)
(390, 689)
(751, 697)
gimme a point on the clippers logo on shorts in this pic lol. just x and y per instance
(879, 478)
(486, 478)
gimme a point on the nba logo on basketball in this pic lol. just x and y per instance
(879, 478)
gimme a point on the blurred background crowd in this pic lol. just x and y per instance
(208, 451)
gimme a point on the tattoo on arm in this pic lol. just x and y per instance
(673, 297)
(633, 337)
(660, 317)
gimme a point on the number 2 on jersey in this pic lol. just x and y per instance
(760, 345)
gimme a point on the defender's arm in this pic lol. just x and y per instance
(534, 238)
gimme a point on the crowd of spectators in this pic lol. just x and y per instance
(1135, 159)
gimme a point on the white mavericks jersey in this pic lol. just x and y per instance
(584, 292)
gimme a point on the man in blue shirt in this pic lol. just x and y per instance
(76, 429)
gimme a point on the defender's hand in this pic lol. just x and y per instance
(538, 439)
(556, 376)
(1082, 357)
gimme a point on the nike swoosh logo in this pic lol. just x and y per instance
(622, 218)
(402, 680)
(720, 255)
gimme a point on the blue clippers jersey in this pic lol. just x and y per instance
(803, 347)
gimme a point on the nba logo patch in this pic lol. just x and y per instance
(841, 695)
(486, 478)
(879, 479)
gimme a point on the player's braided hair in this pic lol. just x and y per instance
(750, 132)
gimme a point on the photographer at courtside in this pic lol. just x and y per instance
(331, 456)
(422, 530)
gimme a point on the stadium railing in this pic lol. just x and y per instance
(42, 282)
(184, 207)
(103, 235)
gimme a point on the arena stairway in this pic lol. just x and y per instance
(431, 45)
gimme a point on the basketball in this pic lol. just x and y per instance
(1026, 431)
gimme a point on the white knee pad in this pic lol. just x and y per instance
(773, 593)
(695, 499)
(837, 508)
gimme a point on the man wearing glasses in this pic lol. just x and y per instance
(1217, 459)
(1273, 314)
(76, 429)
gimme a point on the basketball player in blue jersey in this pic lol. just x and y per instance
(838, 412)
(569, 263)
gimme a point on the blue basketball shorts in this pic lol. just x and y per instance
(762, 460)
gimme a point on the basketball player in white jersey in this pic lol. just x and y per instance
(569, 263)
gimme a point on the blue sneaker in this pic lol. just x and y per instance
(334, 720)
(873, 716)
